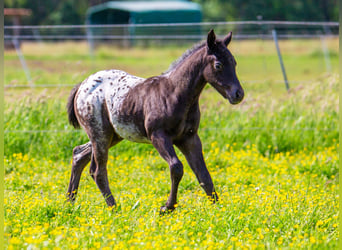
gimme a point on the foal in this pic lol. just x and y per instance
(163, 110)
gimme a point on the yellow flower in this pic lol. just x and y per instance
(14, 240)
(233, 239)
(319, 223)
(312, 239)
(280, 241)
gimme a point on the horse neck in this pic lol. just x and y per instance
(187, 77)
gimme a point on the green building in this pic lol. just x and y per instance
(132, 18)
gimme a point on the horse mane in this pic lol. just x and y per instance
(184, 56)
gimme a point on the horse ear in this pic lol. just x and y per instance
(228, 38)
(211, 39)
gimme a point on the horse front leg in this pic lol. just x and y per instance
(191, 147)
(164, 146)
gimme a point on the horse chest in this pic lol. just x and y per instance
(183, 123)
(187, 126)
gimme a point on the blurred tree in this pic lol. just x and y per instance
(69, 12)
(73, 11)
(52, 11)
(295, 10)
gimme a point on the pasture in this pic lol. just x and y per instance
(273, 158)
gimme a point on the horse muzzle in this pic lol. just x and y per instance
(235, 96)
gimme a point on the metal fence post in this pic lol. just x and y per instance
(326, 54)
(274, 34)
(22, 61)
(89, 34)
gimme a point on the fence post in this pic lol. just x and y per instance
(274, 34)
(90, 39)
(22, 61)
(326, 54)
(36, 34)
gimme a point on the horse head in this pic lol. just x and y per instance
(220, 68)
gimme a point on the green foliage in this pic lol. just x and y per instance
(73, 12)
(307, 10)
(52, 11)
(37, 118)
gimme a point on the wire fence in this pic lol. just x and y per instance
(185, 31)
(161, 34)
(164, 34)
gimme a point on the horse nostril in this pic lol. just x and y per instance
(238, 94)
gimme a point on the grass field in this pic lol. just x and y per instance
(273, 158)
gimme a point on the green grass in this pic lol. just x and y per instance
(273, 158)
(70, 63)
(272, 124)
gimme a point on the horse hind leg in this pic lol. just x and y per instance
(98, 170)
(80, 158)
(102, 137)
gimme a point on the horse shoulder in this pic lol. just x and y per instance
(166, 109)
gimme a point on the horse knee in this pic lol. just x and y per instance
(177, 171)
(81, 154)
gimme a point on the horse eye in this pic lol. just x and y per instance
(218, 66)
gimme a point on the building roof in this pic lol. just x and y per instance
(145, 6)
(17, 12)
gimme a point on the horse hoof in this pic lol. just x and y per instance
(70, 198)
(166, 210)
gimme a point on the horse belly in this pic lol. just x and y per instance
(129, 131)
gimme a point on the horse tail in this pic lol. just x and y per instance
(71, 107)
